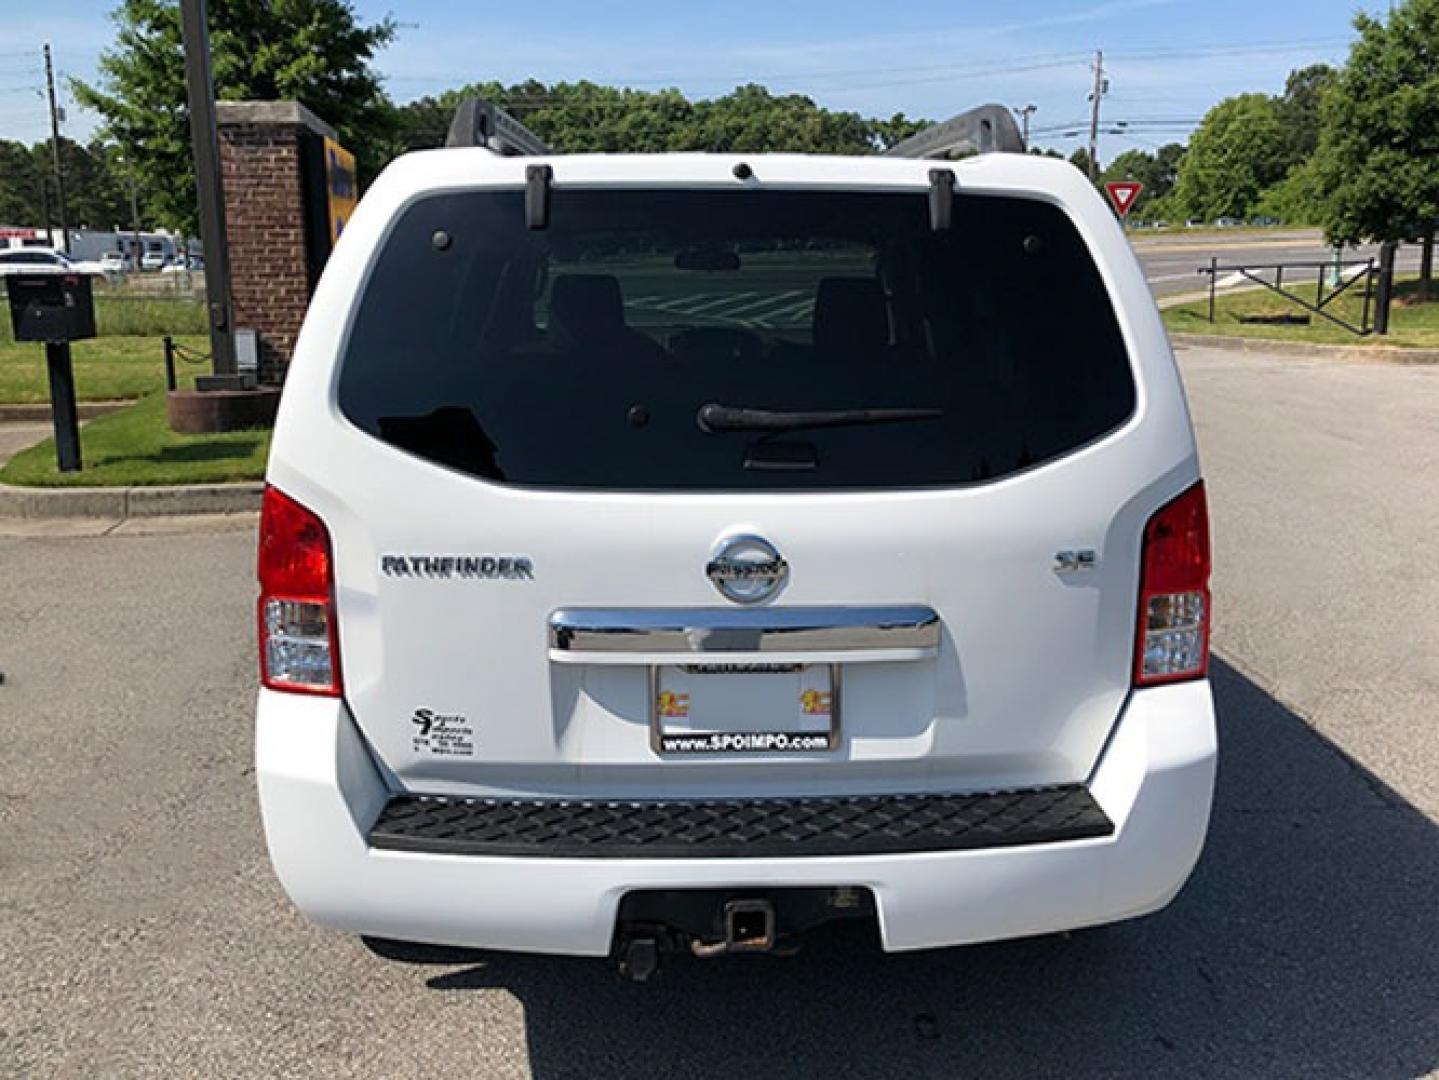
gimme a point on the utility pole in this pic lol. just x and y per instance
(44, 201)
(55, 149)
(1023, 114)
(1101, 87)
(200, 85)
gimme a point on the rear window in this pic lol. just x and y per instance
(36, 258)
(582, 354)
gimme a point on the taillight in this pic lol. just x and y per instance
(298, 639)
(1174, 593)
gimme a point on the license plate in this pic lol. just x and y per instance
(744, 708)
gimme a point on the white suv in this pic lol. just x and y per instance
(677, 551)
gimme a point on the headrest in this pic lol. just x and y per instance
(587, 305)
(850, 318)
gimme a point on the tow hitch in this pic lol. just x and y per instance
(748, 927)
(711, 923)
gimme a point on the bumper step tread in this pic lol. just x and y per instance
(738, 828)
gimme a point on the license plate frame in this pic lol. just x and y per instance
(776, 743)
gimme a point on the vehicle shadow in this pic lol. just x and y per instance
(1307, 942)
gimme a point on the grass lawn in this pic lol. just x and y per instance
(106, 368)
(127, 360)
(136, 446)
(1412, 324)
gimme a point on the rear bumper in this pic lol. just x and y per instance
(320, 794)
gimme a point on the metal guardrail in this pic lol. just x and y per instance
(1365, 271)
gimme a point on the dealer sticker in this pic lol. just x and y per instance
(442, 734)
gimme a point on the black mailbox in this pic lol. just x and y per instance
(51, 307)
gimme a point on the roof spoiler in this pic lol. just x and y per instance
(478, 122)
(982, 130)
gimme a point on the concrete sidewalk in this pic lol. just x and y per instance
(17, 435)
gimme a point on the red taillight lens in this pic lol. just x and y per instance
(1174, 593)
(297, 608)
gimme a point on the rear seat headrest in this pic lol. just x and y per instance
(587, 305)
(850, 316)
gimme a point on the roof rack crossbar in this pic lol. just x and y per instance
(981, 130)
(478, 122)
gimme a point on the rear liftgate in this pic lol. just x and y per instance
(682, 650)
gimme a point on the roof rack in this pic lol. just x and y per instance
(478, 122)
(981, 130)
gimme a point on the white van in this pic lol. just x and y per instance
(677, 551)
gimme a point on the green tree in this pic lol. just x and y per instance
(19, 185)
(587, 117)
(95, 193)
(1237, 151)
(1298, 199)
(896, 129)
(1378, 156)
(1157, 172)
(314, 51)
(1297, 110)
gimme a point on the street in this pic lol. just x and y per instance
(145, 934)
(1172, 258)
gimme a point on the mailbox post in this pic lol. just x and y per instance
(56, 309)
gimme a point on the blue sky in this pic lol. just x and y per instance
(1168, 60)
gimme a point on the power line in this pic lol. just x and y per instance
(1037, 60)
(1030, 62)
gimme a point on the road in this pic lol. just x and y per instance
(1171, 258)
(145, 935)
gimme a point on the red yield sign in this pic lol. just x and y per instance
(1123, 193)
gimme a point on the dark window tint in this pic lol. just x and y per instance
(580, 355)
(31, 258)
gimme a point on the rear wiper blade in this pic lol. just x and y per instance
(715, 418)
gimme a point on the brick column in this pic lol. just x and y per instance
(261, 161)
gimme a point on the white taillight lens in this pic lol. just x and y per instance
(297, 645)
(298, 635)
(1174, 593)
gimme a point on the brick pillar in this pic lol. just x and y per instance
(261, 160)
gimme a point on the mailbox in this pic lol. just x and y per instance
(51, 307)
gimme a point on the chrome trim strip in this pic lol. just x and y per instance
(731, 630)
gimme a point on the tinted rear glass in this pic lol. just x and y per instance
(580, 355)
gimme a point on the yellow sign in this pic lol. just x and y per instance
(341, 185)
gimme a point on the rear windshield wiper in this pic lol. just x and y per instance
(714, 418)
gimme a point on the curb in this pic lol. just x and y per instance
(85, 410)
(1373, 354)
(122, 503)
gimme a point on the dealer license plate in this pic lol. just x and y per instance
(744, 708)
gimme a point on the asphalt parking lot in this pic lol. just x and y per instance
(143, 933)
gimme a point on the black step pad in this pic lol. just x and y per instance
(738, 828)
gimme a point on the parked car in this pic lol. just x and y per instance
(677, 551)
(31, 260)
(185, 265)
(114, 265)
(1227, 223)
(154, 260)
